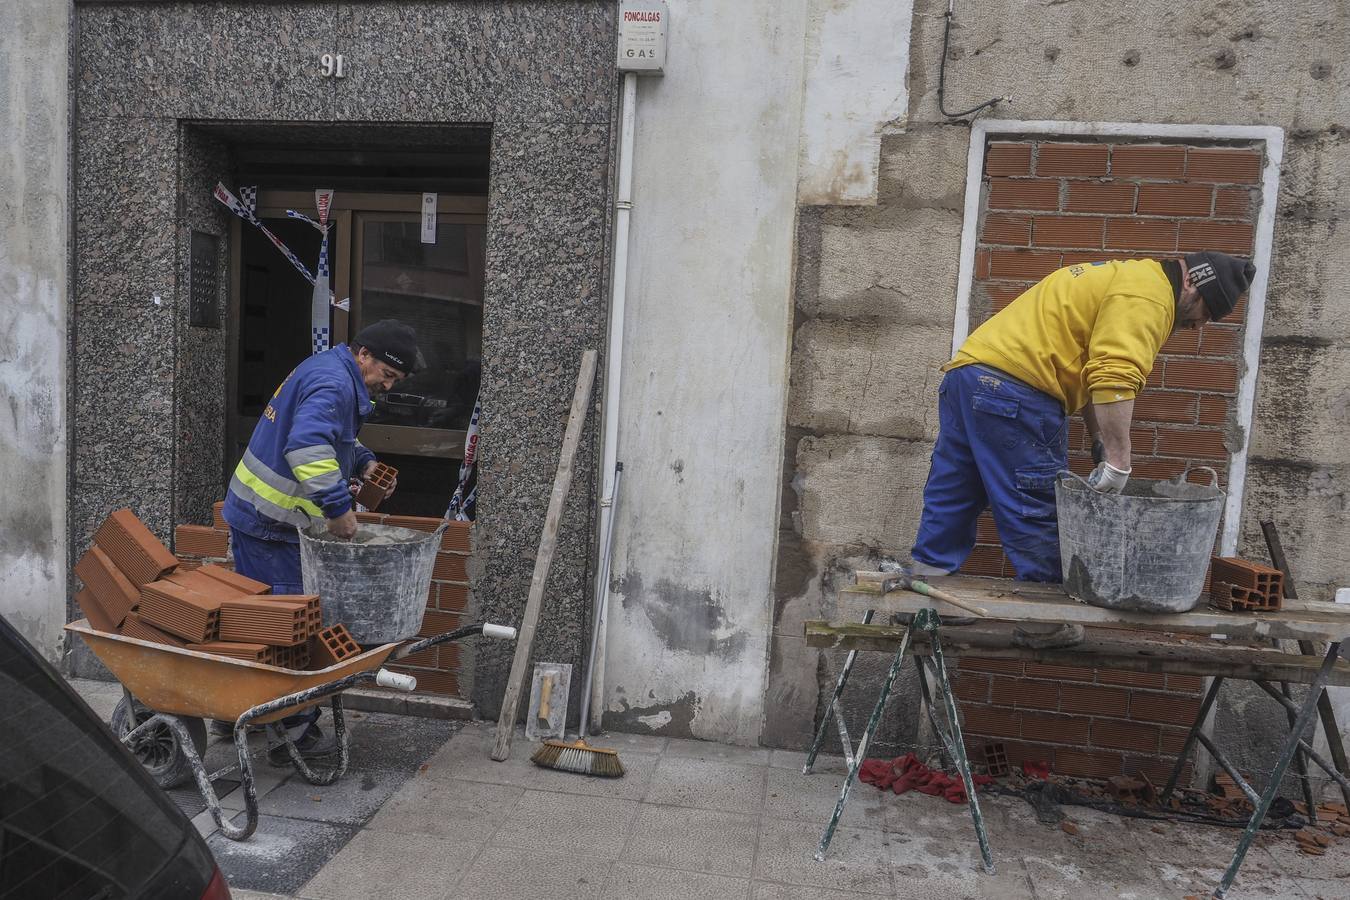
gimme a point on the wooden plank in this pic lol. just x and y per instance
(548, 542)
(1018, 601)
(1105, 648)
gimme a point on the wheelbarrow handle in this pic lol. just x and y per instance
(499, 632)
(396, 680)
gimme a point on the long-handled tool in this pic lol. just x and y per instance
(578, 756)
(900, 580)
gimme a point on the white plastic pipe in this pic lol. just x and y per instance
(499, 632)
(396, 680)
(609, 441)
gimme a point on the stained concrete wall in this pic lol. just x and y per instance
(876, 285)
(34, 229)
(757, 110)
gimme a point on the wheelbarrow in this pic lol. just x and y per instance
(168, 692)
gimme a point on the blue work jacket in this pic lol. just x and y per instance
(303, 450)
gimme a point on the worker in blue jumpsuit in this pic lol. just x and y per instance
(299, 465)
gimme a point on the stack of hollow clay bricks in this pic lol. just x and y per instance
(1238, 584)
(134, 586)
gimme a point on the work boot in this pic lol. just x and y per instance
(313, 746)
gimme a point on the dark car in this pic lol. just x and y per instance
(79, 817)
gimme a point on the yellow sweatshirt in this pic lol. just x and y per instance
(1084, 331)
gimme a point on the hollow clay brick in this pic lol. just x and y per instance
(1008, 193)
(113, 590)
(1141, 234)
(458, 537)
(1012, 230)
(278, 620)
(133, 549)
(372, 491)
(1071, 159)
(1175, 199)
(450, 567)
(93, 611)
(1228, 237)
(1148, 161)
(1223, 165)
(1233, 203)
(135, 627)
(431, 681)
(331, 646)
(236, 650)
(1007, 159)
(371, 518)
(217, 519)
(1052, 729)
(1068, 231)
(1023, 265)
(199, 540)
(241, 583)
(1092, 196)
(170, 607)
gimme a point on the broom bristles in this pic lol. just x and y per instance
(579, 758)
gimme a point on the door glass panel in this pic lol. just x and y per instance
(438, 290)
(274, 310)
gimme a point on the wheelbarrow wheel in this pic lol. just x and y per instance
(158, 751)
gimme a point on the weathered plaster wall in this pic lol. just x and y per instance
(150, 387)
(715, 174)
(34, 283)
(854, 91)
(876, 285)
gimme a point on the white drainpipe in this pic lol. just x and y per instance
(609, 442)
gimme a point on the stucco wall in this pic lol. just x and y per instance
(715, 172)
(34, 228)
(876, 285)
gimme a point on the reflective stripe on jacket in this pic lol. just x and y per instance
(303, 450)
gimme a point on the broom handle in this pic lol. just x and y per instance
(601, 593)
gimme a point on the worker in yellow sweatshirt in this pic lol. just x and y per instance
(1084, 338)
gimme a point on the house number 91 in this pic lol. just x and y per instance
(331, 64)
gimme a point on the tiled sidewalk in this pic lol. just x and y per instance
(419, 816)
(696, 820)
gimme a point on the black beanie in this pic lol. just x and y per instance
(1220, 278)
(392, 342)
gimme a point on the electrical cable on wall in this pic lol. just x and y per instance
(942, 75)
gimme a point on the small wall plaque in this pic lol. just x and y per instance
(203, 308)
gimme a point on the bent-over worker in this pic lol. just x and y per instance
(300, 459)
(1083, 338)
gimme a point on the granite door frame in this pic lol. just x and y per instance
(143, 424)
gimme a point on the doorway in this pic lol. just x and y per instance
(382, 267)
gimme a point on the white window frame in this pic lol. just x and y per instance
(1273, 139)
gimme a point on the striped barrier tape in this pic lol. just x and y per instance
(461, 504)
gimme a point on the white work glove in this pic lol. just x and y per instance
(1107, 479)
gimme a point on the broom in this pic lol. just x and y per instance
(578, 756)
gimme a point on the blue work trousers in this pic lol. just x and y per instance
(275, 563)
(1000, 444)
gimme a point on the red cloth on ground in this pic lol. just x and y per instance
(907, 773)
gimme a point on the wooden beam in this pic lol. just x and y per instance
(1033, 602)
(1105, 648)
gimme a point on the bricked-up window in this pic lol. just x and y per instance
(1049, 203)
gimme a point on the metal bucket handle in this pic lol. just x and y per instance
(1213, 476)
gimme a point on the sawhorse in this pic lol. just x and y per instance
(927, 621)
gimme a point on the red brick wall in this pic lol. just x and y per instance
(437, 670)
(1052, 203)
